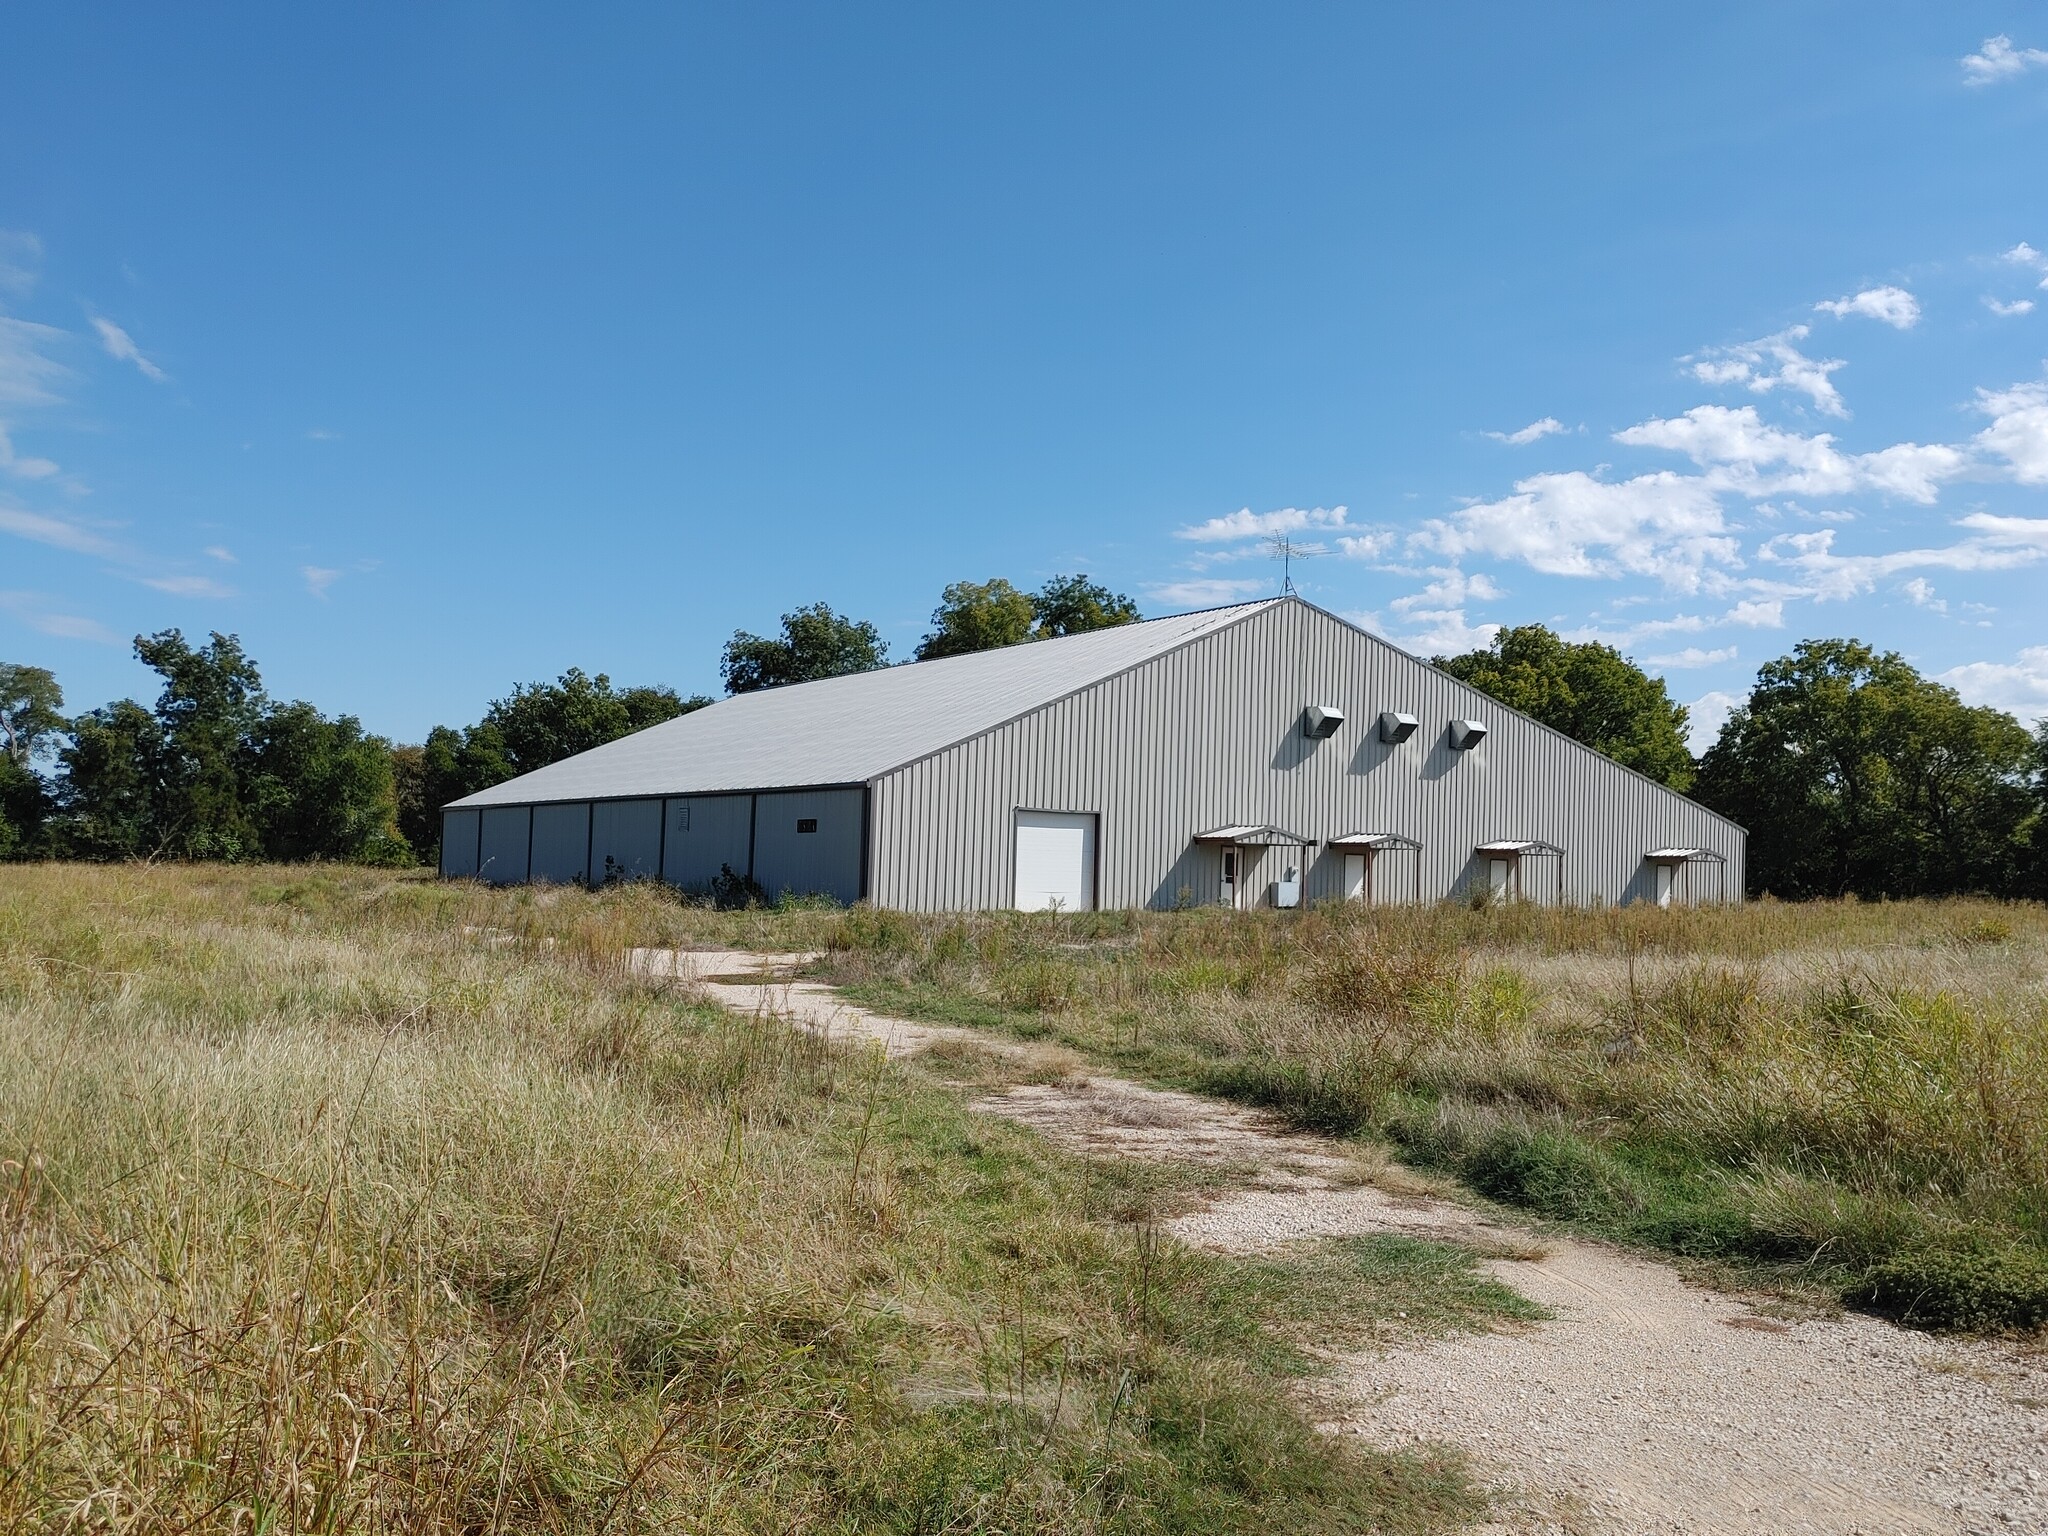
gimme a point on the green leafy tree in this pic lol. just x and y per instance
(109, 791)
(322, 788)
(815, 643)
(532, 727)
(1855, 774)
(1074, 605)
(219, 770)
(986, 615)
(978, 616)
(1590, 692)
(31, 713)
(546, 722)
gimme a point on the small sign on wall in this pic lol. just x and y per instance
(807, 824)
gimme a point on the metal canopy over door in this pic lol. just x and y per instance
(1055, 861)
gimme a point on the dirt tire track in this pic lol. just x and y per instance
(1647, 1407)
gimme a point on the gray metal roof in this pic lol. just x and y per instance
(845, 730)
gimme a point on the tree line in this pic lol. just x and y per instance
(1854, 774)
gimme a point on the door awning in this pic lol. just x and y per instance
(1254, 837)
(1373, 842)
(1519, 848)
(1684, 856)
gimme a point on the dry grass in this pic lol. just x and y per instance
(338, 1201)
(1851, 1093)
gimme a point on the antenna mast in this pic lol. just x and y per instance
(1286, 551)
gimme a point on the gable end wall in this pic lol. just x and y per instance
(1210, 735)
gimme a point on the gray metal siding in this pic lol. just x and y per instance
(458, 844)
(823, 861)
(507, 842)
(1210, 735)
(706, 833)
(561, 843)
(625, 840)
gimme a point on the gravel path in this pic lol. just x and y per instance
(1646, 1407)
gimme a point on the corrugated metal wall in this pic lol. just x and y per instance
(809, 841)
(706, 834)
(507, 844)
(1210, 735)
(797, 841)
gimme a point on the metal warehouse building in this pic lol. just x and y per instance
(1263, 754)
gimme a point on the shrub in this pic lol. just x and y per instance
(1965, 1289)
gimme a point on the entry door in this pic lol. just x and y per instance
(1664, 873)
(1354, 878)
(1497, 878)
(1055, 861)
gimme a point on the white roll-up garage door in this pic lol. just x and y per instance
(1055, 861)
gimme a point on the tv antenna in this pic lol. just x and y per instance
(1286, 551)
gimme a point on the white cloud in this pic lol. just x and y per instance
(1751, 613)
(2016, 307)
(1763, 365)
(1705, 716)
(221, 553)
(2019, 686)
(119, 344)
(1368, 546)
(2025, 255)
(23, 467)
(1894, 306)
(28, 374)
(1999, 60)
(318, 579)
(322, 435)
(1547, 427)
(1442, 632)
(32, 609)
(57, 533)
(2019, 429)
(1661, 525)
(1920, 593)
(1742, 454)
(1451, 589)
(1994, 544)
(1692, 656)
(1247, 524)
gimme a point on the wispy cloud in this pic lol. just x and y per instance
(1247, 524)
(1692, 656)
(1998, 60)
(1920, 593)
(28, 373)
(119, 344)
(187, 586)
(2008, 309)
(1207, 593)
(33, 610)
(322, 435)
(1549, 426)
(58, 534)
(318, 579)
(23, 466)
(219, 552)
(21, 255)
(1773, 362)
(1894, 306)
(1992, 543)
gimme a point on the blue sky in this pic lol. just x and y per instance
(433, 350)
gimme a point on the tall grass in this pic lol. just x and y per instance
(1850, 1093)
(337, 1201)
